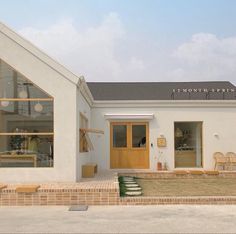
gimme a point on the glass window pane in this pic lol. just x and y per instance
(30, 116)
(188, 144)
(139, 136)
(119, 136)
(15, 85)
(26, 151)
(24, 119)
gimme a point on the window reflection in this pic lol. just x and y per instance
(26, 151)
(188, 144)
(119, 136)
(15, 85)
(22, 116)
(139, 136)
(26, 122)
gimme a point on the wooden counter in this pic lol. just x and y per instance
(21, 158)
(185, 158)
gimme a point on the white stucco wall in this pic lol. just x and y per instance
(215, 120)
(65, 114)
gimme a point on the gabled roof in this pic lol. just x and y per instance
(11, 34)
(103, 91)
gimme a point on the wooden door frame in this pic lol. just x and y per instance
(130, 147)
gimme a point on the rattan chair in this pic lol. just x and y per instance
(231, 160)
(220, 160)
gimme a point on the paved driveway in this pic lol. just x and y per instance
(120, 219)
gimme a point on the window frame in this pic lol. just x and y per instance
(129, 135)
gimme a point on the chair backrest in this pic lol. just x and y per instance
(232, 156)
(220, 157)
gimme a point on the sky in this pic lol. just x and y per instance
(132, 40)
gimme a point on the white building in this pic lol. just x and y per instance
(43, 108)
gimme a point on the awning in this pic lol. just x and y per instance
(91, 130)
(129, 116)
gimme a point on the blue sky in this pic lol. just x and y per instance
(160, 19)
(159, 39)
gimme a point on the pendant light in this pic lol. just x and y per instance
(5, 103)
(23, 94)
(38, 107)
(178, 132)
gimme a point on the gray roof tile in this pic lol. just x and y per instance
(160, 90)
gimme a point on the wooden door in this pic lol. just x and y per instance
(129, 145)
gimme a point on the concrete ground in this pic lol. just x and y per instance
(120, 219)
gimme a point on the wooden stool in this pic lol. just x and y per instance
(2, 186)
(88, 170)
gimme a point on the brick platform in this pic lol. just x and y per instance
(102, 190)
(179, 174)
(220, 200)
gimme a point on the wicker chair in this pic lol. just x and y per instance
(231, 160)
(220, 160)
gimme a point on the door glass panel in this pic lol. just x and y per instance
(119, 136)
(139, 136)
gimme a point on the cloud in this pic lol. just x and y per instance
(91, 53)
(207, 57)
(107, 52)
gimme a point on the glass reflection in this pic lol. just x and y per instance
(26, 151)
(26, 122)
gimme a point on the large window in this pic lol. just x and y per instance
(188, 144)
(26, 122)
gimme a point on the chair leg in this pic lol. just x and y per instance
(215, 166)
(232, 165)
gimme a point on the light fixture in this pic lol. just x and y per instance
(5, 103)
(38, 107)
(23, 94)
(178, 132)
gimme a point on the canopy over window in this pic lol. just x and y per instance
(129, 116)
